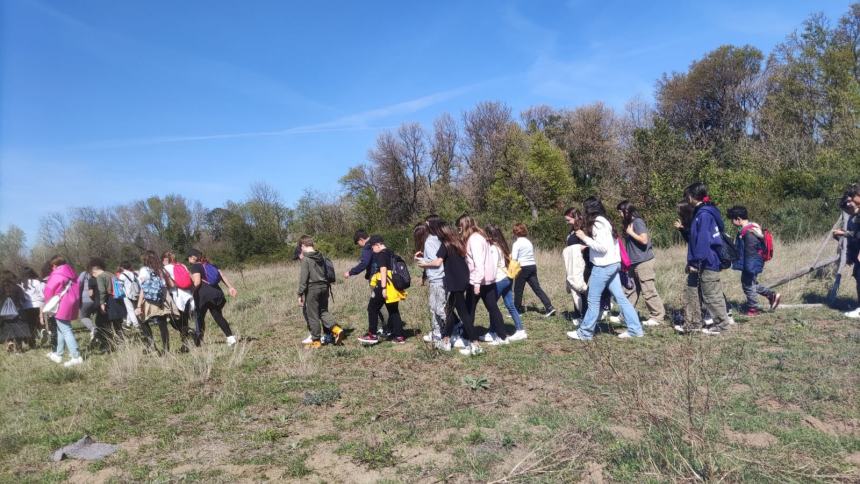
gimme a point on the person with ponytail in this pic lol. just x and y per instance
(180, 285)
(208, 296)
(500, 253)
(427, 244)
(482, 278)
(604, 252)
(637, 241)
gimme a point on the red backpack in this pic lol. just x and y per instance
(181, 276)
(765, 249)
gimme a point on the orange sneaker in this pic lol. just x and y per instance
(313, 345)
(337, 332)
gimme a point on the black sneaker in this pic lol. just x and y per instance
(369, 339)
(549, 312)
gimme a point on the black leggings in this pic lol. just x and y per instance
(107, 332)
(528, 274)
(490, 297)
(162, 328)
(395, 324)
(457, 303)
(31, 317)
(213, 306)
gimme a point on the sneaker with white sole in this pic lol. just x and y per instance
(731, 320)
(471, 350)
(853, 314)
(231, 340)
(603, 315)
(709, 321)
(518, 335)
(459, 343)
(308, 340)
(488, 337)
(682, 329)
(54, 357)
(651, 322)
(626, 334)
(575, 335)
(549, 312)
(711, 331)
(444, 345)
(614, 319)
(499, 342)
(73, 362)
(576, 322)
(427, 338)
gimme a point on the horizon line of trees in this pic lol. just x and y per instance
(779, 133)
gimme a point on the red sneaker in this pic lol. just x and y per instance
(369, 339)
(751, 312)
(774, 300)
(399, 340)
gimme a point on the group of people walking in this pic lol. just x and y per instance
(464, 264)
(38, 309)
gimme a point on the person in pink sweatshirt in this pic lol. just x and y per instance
(64, 281)
(482, 277)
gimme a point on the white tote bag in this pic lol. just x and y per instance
(53, 305)
(9, 310)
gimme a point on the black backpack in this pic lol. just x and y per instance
(728, 251)
(330, 274)
(399, 273)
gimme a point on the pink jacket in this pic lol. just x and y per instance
(482, 267)
(70, 304)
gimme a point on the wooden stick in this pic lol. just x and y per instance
(843, 253)
(803, 272)
(800, 306)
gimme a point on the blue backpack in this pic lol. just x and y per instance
(153, 288)
(211, 274)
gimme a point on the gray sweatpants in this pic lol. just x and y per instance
(438, 299)
(316, 307)
(712, 298)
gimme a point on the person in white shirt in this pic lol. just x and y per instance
(182, 297)
(131, 287)
(34, 300)
(524, 252)
(605, 254)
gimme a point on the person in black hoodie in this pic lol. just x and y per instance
(360, 239)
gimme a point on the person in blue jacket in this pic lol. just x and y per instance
(364, 265)
(703, 264)
(750, 263)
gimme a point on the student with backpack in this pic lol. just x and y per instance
(482, 278)
(605, 254)
(755, 248)
(501, 255)
(384, 292)
(315, 279)
(179, 286)
(110, 310)
(131, 288)
(523, 252)
(153, 305)
(637, 242)
(705, 259)
(63, 303)
(850, 205)
(208, 296)
(360, 239)
(14, 330)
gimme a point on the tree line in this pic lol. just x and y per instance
(778, 133)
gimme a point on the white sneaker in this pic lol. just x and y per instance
(518, 335)
(651, 322)
(709, 321)
(499, 341)
(444, 345)
(92, 335)
(614, 319)
(231, 340)
(731, 320)
(459, 343)
(73, 362)
(471, 350)
(306, 341)
(853, 314)
(54, 357)
(626, 334)
(575, 322)
(683, 330)
(574, 335)
(488, 337)
(711, 332)
(427, 338)
(603, 315)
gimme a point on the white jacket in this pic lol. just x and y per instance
(574, 265)
(604, 248)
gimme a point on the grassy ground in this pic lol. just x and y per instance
(775, 399)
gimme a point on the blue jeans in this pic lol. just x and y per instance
(602, 278)
(66, 338)
(504, 288)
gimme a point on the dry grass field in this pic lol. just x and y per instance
(775, 399)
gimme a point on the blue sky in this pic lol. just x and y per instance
(106, 102)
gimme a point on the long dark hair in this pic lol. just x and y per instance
(150, 259)
(592, 208)
(628, 213)
(419, 234)
(469, 226)
(685, 214)
(27, 275)
(452, 240)
(497, 238)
